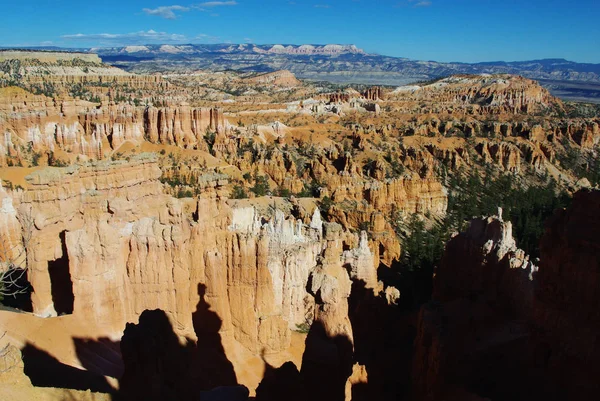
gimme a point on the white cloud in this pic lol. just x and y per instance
(142, 37)
(423, 3)
(167, 12)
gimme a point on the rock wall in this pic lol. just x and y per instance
(499, 327)
(93, 132)
(565, 314)
(49, 57)
(493, 93)
(126, 247)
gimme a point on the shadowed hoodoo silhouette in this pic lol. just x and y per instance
(283, 383)
(158, 367)
(156, 364)
(210, 366)
(326, 364)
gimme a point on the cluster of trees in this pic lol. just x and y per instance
(471, 195)
(581, 164)
(182, 185)
(261, 187)
(526, 206)
(46, 89)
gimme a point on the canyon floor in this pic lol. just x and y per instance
(225, 235)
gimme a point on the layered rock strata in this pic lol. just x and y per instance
(105, 235)
(79, 127)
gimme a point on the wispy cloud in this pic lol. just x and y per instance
(205, 38)
(216, 4)
(413, 3)
(322, 6)
(167, 12)
(171, 12)
(133, 38)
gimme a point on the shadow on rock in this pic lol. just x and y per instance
(383, 339)
(283, 383)
(210, 366)
(101, 356)
(46, 371)
(326, 364)
(157, 366)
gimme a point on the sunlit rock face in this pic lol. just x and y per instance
(124, 247)
(91, 131)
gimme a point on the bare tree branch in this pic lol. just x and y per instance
(13, 258)
(8, 359)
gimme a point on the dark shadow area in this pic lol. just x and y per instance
(326, 364)
(211, 368)
(101, 356)
(383, 343)
(156, 365)
(60, 279)
(46, 371)
(415, 286)
(18, 286)
(283, 383)
(150, 362)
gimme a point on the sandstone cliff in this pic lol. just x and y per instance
(92, 132)
(503, 93)
(106, 244)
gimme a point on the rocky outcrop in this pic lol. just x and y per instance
(12, 250)
(504, 155)
(281, 78)
(495, 269)
(374, 93)
(491, 93)
(511, 324)
(82, 128)
(483, 290)
(360, 263)
(182, 126)
(106, 236)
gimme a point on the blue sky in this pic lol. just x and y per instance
(440, 30)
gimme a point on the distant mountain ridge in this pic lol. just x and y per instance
(338, 63)
(306, 49)
(343, 64)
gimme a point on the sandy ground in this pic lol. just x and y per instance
(17, 175)
(55, 336)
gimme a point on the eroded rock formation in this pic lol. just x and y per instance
(500, 327)
(106, 244)
(41, 124)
